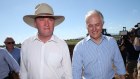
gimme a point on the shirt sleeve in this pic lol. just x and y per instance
(67, 63)
(23, 71)
(137, 48)
(14, 66)
(118, 61)
(77, 63)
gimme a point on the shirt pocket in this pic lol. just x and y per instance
(54, 59)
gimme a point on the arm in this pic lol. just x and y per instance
(77, 64)
(23, 71)
(118, 61)
(67, 63)
(138, 68)
(11, 62)
(137, 44)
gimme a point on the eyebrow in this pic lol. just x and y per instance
(44, 17)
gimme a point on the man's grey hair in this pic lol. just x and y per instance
(94, 12)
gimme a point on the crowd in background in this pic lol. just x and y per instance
(129, 45)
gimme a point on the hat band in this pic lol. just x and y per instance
(44, 14)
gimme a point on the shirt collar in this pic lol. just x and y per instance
(53, 38)
(102, 37)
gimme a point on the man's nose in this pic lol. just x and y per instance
(46, 23)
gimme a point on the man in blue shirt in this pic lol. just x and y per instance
(95, 55)
(10, 47)
(7, 64)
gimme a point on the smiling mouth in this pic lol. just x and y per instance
(94, 32)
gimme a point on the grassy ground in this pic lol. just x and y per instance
(72, 42)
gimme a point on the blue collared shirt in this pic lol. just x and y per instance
(7, 63)
(97, 60)
(16, 54)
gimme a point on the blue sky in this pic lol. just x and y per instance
(117, 14)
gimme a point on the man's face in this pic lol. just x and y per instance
(9, 43)
(95, 26)
(45, 26)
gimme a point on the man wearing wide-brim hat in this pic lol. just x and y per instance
(44, 56)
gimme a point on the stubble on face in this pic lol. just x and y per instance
(45, 27)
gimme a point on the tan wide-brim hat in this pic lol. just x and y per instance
(43, 9)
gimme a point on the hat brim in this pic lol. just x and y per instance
(29, 19)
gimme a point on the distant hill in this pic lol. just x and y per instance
(70, 41)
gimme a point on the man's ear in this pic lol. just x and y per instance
(103, 22)
(34, 23)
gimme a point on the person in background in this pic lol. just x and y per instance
(10, 47)
(123, 48)
(45, 56)
(137, 48)
(129, 43)
(138, 68)
(7, 64)
(96, 54)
